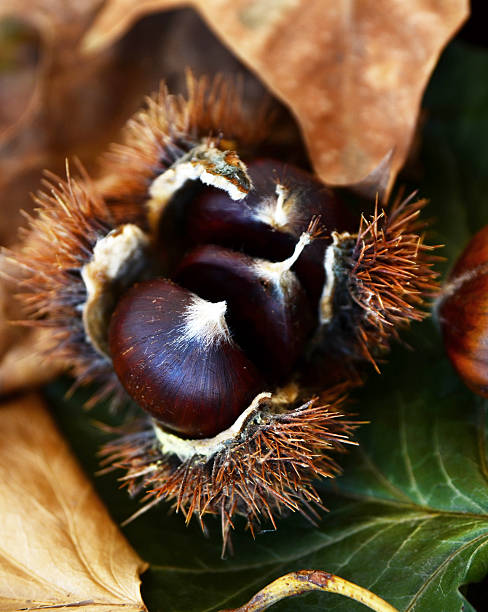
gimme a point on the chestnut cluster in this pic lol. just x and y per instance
(226, 295)
(234, 319)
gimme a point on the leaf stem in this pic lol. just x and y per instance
(303, 581)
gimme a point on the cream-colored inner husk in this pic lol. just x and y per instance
(204, 162)
(206, 447)
(117, 262)
(332, 261)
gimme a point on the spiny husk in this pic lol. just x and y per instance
(387, 280)
(59, 241)
(168, 128)
(269, 467)
(267, 470)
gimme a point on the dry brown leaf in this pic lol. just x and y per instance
(36, 139)
(353, 73)
(58, 545)
(22, 363)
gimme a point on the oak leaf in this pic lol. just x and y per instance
(58, 545)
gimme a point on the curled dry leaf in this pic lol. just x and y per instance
(304, 581)
(58, 545)
(352, 73)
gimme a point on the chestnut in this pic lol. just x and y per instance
(268, 309)
(463, 314)
(174, 355)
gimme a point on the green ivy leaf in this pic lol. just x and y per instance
(409, 518)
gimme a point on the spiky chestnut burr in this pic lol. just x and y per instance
(177, 139)
(73, 265)
(463, 314)
(264, 461)
(378, 281)
(260, 468)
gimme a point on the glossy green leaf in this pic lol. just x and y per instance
(409, 518)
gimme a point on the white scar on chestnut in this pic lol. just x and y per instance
(276, 210)
(205, 323)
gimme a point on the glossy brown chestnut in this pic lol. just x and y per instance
(174, 354)
(269, 311)
(463, 314)
(269, 220)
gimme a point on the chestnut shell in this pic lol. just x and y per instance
(463, 314)
(194, 386)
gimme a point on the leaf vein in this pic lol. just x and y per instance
(445, 473)
(446, 561)
(406, 455)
